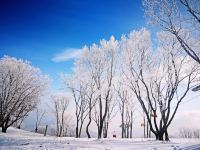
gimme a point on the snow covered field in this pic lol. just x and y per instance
(16, 139)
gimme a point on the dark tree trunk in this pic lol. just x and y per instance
(80, 129)
(89, 122)
(76, 131)
(131, 125)
(105, 130)
(77, 127)
(36, 130)
(122, 130)
(166, 136)
(144, 128)
(100, 130)
(99, 133)
(87, 128)
(4, 129)
(122, 115)
(159, 136)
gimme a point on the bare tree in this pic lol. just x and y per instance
(39, 116)
(76, 87)
(112, 112)
(60, 103)
(181, 18)
(91, 100)
(21, 86)
(158, 83)
(126, 106)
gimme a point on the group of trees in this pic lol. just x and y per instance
(189, 133)
(130, 70)
(158, 78)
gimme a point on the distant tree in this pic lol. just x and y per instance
(82, 83)
(189, 133)
(77, 88)
(181, 18)
(126, 105)
(39, 116)
(21, 86)
(112, 112)
(60, 103)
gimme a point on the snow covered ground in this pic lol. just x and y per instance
(16, 139)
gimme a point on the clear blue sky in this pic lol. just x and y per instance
(37, 30)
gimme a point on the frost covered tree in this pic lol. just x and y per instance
(21, 86)
(126, 103)
(39, 116)
(77, 87)
(91, 82)
(158, 83)
(102, 61)
(181, 18)
(60, 103)
(112, 112)
(104, 65)
(88, 88)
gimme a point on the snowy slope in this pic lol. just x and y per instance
(16, 139)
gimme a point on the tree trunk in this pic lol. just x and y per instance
(87, 128)
(123, 134)
(100, 132)
(76, 132)
(122, 115)
(100, 128)
(4, 129)
(166, 136)
(127, 131)
(131, 125)
(36, 130)
(159, 136)
(89, 122)
(105, 135)
(144, 128)
(77, 124)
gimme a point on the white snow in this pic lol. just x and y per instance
(16, 139)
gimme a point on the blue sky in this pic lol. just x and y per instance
(39, 30)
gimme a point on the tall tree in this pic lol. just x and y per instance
(98, 63)
(77, 88)
(158, 83)
(126, 105)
